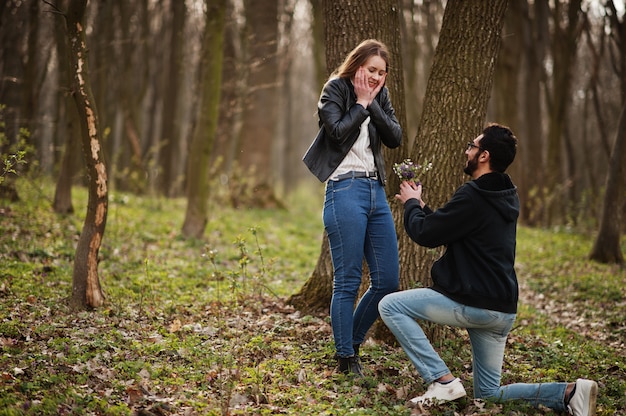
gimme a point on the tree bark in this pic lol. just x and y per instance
(535, 46)
(606, 248)
(507, 94)
(86, 290)
(68, 128)
(231, 93)
(204, 135)
(259, 118)
(168, 151)
(564, 47)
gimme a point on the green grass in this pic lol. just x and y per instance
(201, 327)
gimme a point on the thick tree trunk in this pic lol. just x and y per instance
(204, 135)
(86, 290)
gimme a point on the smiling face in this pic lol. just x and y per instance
(376, 68)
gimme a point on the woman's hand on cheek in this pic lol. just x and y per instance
(361, 88)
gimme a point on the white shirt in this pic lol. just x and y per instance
(360, 157)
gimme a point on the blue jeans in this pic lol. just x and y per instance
(359, 224)
(487, 331)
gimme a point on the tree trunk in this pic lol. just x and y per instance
(63, 191)
(168, 151)
(319, 47)
(68, 128)
(204, 135)
(231, 93)
(86, 290)
(507, 94)
(564, 49)
(606, 248)
(13, 20)
(314, 297)
(260, 104)
(535, 45)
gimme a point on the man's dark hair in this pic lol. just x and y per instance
(501, 144)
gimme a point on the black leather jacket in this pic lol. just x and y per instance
(340, 120)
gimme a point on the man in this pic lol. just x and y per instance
(474, 283)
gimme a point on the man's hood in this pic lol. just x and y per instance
(500, 192)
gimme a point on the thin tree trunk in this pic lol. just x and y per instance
(260, 111)
(168, 154)
(507, 94)
(564, 49)
(69, 132)
(204, 135)
(86, 290)
(535, 44)
(229, 122)
(606, 248)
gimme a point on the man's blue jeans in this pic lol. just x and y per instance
(487, 330)
(359, 224)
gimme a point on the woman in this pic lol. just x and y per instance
(356, 118)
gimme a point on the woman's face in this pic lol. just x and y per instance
(375, 67)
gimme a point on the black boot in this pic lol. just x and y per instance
(350, 365)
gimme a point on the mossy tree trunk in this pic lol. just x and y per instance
(204, 135)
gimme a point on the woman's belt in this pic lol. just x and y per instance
(356, 174)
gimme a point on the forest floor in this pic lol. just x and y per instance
(204, 327)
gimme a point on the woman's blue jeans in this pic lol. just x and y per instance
(487, 330)
(358, 221)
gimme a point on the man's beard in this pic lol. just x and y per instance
(472, 165)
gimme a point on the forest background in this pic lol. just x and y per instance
(558, 82)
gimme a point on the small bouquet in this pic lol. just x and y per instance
(409, 171)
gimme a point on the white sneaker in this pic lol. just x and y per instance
(583, 402)
(438, 392)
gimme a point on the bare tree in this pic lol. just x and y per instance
(86, 290)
